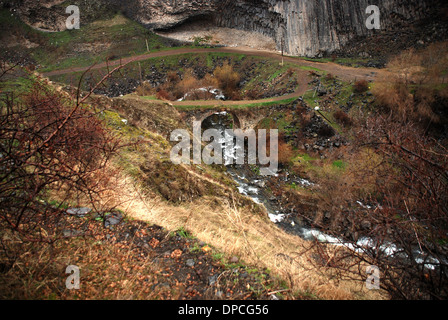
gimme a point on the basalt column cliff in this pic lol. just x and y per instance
(307, 27)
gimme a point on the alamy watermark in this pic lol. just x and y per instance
(226, 148)
(73, 280)
(373, 278)
(373, 21)
(74, 20)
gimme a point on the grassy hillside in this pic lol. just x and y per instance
(112, 38)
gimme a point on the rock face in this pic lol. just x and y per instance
(45, 15)
(300, 27)
(308, 27)
(164, 14)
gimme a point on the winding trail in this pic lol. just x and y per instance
(342, 72)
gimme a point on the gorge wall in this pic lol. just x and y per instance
(301, 27)
(309, 27)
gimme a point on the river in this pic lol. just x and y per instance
(252, 185)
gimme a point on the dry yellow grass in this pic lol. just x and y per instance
(115, 21)
(253, 238)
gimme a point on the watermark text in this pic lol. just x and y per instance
(73, 280)
(373, 21)
(226, 148)
(74, 20)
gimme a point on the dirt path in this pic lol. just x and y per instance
(342, 72)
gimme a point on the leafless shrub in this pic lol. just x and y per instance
(49, 142)
(417, 93)
(412, 207)
(343, 118)
(227, 78)
(361, 86)
(402, 176)
(162, 94)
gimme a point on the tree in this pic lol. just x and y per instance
(403, 229)
(412, 207)
(49, 141)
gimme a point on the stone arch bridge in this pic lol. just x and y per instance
(243, 118)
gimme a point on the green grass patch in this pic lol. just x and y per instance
(183, 233)
(307, 163)
(283, 121)
(152, 98)
(267, 103)
(311, 98)
(194, 106)
(304, 157)
(328, 118)
(97, 40)
(339, 164)
(308, 68)
(18, 85)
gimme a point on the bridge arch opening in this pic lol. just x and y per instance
(222, 119)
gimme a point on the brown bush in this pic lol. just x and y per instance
(253, 94)
(227, 78)
(342, 118)
(48, 142)
(163, 95)
(401, 173)
(224, 78)
(290, 72)
(234, 95)
(361, 86)
(329, 77)
(417, 92)
(144, 89)
(190, 84)
(285, 153)
(326, 131)
(418, 106)
(306, 118)
(172, 77)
